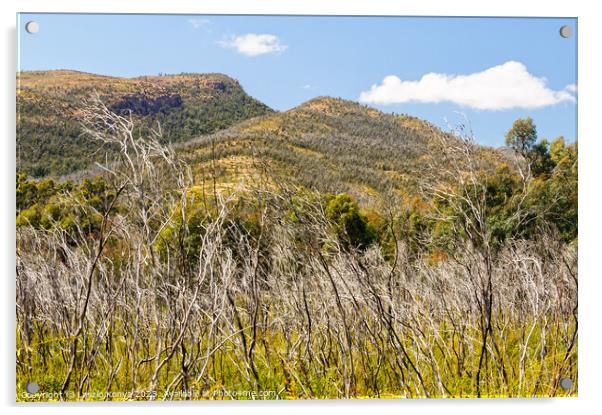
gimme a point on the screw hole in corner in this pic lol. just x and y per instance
(32, 27)
(566, 31)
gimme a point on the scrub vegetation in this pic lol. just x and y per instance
(330, 251)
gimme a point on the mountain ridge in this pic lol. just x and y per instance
(326, 143)
(49, 140)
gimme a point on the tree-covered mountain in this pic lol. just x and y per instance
(331, 145)
(49, 139)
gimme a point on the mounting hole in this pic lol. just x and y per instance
(566, 383)
(566, 31)
(32, 27)
(32, 387)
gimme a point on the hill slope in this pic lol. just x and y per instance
(327, 144)
(186, 105)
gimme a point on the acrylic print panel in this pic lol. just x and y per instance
(295, 207)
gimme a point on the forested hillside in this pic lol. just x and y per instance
(49, 137)
(330, 145)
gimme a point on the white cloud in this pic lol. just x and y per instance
(306, 86)
(253, 44)
(571, 88)
(197, 23)
(501, 87)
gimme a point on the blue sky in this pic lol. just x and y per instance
(490, 71)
